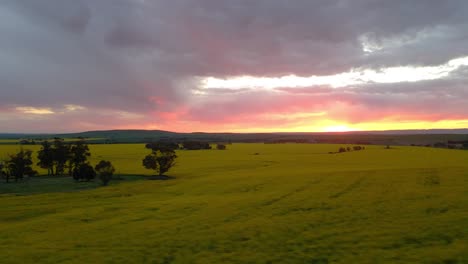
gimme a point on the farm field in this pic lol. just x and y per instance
(8, 141)
(252, 203)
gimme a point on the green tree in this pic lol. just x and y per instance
(61, 154)
(84, 172)
(19, 165)
(46, 157)
(160, 161)
(3, 173)
(105, 170)
(79, 154)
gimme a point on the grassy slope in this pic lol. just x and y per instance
(290, 204)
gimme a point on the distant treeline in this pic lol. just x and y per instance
(201, 139)
(349, 149)
(187, 145)
(452, 144)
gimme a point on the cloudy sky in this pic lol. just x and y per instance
(233, 65)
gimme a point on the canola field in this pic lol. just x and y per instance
(251, 203)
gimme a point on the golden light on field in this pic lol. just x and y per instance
(234, 195)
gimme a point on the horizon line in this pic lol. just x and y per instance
(226, 132)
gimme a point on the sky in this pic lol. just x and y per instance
(233, 65)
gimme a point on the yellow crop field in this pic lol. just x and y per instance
(251, 203)
(8, 141)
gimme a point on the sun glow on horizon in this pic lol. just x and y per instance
(327, 126)
(338, 128)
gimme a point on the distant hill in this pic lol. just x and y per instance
(394, 137)
(419, 131)
(120, 134)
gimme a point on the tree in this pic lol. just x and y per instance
(19, 165)
(46, 157)
(162, 146)
(84, 172)
(160, 161)
(79, 153)
(105, 170)
(61, 154)
(166, 162)
(3, 173)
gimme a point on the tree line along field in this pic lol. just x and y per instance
(251, 203)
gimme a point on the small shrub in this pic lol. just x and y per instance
(220, 146)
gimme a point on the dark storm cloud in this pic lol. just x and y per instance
(71, 15)
(300, 37)
(141, 56)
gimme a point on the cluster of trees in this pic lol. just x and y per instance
(58, 158)
(186, 145)
(27, 142)
(162, 146)
(17, 166)
(195, 145)
(348, 149)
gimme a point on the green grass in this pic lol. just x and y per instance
(292, 203)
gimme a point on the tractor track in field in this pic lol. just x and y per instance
(297, 190)
(354, 185)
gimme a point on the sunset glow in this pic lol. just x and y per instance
(354, 77)
(34, 110)
(326, 66)
(338, 128)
